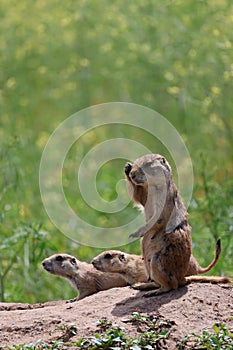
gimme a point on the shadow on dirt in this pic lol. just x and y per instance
(141, 304)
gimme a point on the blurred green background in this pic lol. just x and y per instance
(57, 58)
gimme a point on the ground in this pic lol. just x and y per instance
(191, 308)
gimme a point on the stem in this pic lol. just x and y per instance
(2, 296)
(4, 274)
(213, 222)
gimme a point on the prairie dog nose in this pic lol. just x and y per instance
(136, 172)
(132, 174)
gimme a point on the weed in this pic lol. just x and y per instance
(150, 322)
(68, 331)
(103, 324)
(152, 333)
(24, 246)
(220, 339)
(114, 337)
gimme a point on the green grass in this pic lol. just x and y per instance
(57, 58)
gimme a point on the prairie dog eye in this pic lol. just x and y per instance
(73, 261)
(107, 256)
(122, 257)
(163, 160)
(59, 258)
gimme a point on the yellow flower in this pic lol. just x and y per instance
(216, 120)
(42, 70)
(207, 101)
(169, 76)
(42, 139)
(106, 47)
(10, 83)
(84, 62)
(178, 66)
(173, 90)
(145, 48)
(215, 90)
(227, 44)
(226, 76)
(71, 86)
(216, 32)
(192, 53)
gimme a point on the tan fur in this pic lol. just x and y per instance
(166, 244)
(132, 266)
(129, 265)
(82, 276)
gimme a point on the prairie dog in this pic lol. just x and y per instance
(166, 237)
(81, 275)
(132, 267)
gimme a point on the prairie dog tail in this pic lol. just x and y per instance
(212, 264)
(208, 279)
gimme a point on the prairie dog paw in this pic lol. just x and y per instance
(128, 167)
(139, 233)
(144, 286)
(136, 286)
(72, 300)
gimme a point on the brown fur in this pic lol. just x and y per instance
(132, 266)
(166, 244)
(82, 276)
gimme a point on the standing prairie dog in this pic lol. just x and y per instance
(166, 237)
(82, 276)
(132, 268)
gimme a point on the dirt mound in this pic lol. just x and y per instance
(191, 309)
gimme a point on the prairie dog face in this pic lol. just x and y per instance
(151, 169)
(110, 261)
(61, 264)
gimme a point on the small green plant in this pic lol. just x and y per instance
(112, 336)
(220, 339)
(68, 331)
(103, 324)
(151, 328)
(37, 345)
(108, 336)
(211, 215)
(24, 249)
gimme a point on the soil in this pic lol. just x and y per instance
(191, 309)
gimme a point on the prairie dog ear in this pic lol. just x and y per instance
(59, 258)
(122, 257)
(108, 256)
